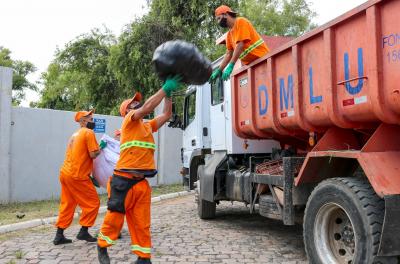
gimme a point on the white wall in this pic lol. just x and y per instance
(38, 142)
(169, 159)
(33, 143)
(5, 130)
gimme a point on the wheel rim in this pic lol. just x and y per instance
(334, 235)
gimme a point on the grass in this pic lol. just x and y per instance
(19, 254)
(19, 233)
(164, 189)
(19, 212)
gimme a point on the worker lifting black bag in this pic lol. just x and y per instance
(179, 57)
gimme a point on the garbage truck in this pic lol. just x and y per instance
(309, 134)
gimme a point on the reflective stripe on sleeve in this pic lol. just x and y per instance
(251, 48)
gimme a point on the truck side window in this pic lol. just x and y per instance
(190, 108)
(217, 92)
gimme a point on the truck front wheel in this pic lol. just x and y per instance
(343, 222)
(206, 209)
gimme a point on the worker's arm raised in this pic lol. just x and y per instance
(166, 114)
(149, 105)
(171, 84)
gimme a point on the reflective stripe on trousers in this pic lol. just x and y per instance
(107, 239)
(141, 249)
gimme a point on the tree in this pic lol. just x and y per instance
(194, 21)
(79, 77)
(277, 17)
(97, 70)
(21, 69)
(130, 59)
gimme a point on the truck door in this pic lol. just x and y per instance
(217, 116)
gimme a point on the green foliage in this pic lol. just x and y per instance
(130, 59)
(277, 17)
(79, 77)
(21, 70)
(98, 70)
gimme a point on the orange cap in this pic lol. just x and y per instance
(223, 9)
(81, 114)
(125, 103)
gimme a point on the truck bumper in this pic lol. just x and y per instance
(390, 242)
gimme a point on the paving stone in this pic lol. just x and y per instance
(178, 236)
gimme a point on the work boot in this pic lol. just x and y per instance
(143, 261)
(84, 235)
(102, 255)
(60, 238)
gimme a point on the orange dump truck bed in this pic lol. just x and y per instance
(345, 74)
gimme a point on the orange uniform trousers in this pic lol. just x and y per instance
(77, 192)
(137, 211)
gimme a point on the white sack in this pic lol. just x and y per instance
(104, 164)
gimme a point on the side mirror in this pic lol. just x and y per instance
(175, 122)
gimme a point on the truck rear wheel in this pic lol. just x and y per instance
(205, 209)
(343, 222)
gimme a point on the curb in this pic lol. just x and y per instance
(103, 209)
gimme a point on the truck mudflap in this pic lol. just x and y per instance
(390, 242)
(207, 173)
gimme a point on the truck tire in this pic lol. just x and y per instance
(343, 222)
(205, 209)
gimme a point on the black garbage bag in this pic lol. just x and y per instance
(183, 58)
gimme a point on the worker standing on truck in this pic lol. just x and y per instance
(242, 42)
(76, 186)
(130, 193)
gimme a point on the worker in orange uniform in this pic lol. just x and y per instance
(130, 193)
(242, 42)
(76, 186)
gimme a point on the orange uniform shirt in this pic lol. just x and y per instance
(244, 31)
(78, 164)
(135, 157)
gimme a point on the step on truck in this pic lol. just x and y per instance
(309, 134)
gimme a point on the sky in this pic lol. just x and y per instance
(33, 30)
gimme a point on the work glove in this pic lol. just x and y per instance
(171, 84)
(102, 144)
(227, 72)
(216, 73)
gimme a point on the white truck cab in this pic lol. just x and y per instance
(207, 125)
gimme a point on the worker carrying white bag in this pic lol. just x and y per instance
(104, 164)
